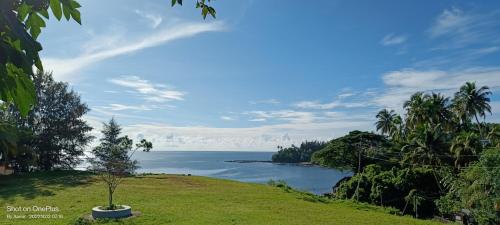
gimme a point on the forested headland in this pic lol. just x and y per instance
(298, 154)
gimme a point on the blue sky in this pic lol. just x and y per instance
(267, 73)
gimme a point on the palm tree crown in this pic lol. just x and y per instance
(471, 102)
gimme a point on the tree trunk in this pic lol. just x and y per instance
(359, 171)
(416, 206)
(110, 197)
(6, 158)
(479, 126)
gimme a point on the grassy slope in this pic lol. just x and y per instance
(170, 199)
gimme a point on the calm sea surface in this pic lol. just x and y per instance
(212, 164)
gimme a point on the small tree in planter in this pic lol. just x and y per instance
(112, 158)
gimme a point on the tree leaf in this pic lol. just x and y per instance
(204, 12)
(55, 6)
(35, 23)
(23, 11)
(21, 89)
(76, 16)
(212, 12)
(66, 11)
(75, 5)
(44, 13)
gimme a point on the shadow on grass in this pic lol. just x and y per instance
(32, 185)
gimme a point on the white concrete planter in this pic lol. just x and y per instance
(98, 213)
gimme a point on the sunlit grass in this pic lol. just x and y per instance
(172, 199)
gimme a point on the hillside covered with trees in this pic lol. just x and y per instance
(439, 159)
(297, 154)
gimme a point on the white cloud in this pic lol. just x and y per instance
(228, 118)
(120, 107)
(258, 120)
(345, 95)
(149, 91)
(403, 83)
(464, 58)
(330, 105)
(393, 39)
(263, 138)
(316, 105)
(451, 20)
(485, 51)
(64, 67)
(412, 78)
(459, 28)
(282, 115)
(155, 20)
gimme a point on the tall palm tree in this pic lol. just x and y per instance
(416, 111)
(473, 102)
(425, 146)
(464, 147)
(438, 109)
(385, 122)
(494, 135)
(399, 128)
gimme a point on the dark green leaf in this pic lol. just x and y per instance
(212, 12)
(55, 5)
(38, 63)
(66, 11)
(21, 88)
(44, 13)
(23, 11)
(204, 12)
(35, 23)
(76, 16)
(75, 5)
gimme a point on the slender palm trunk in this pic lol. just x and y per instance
(404, 209)
(381, 202)
(479, 126)
(416, 206)
(437, 180)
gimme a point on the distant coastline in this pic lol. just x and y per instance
(307, 164)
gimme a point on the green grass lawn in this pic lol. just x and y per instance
(172, 199)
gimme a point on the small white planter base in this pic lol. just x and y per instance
(98, 213)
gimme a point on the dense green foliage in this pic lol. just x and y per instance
(184, 200)
(476, 188)
(297, 154)
(441, 159)
(111, 158)
(21, 22)
(391, 187)
(60, 132)
(353, 151)
(53, 135)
